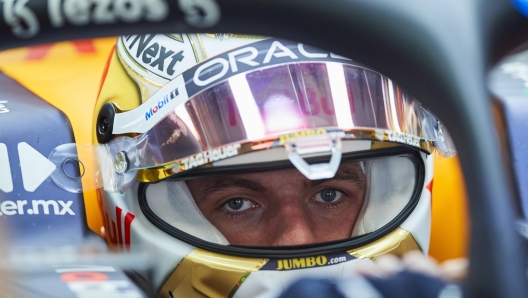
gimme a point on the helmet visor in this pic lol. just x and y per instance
(276, 103)
(371, 193)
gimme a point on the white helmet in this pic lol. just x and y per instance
(246, 162)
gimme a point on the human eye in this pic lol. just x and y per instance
(328, 196)
(239, 204)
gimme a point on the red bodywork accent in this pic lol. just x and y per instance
(119, 231)
(430, 186)
(105, 71)
(40, 51)
(84, 46)
(128, 221)
(114, 232)
(83, 276)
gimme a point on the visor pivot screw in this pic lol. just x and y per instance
(105, 123)
(121, 162)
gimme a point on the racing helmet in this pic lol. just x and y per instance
(246, 162)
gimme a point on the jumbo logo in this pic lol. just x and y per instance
(161, 104)
(312, 132)
(257, 55)
(114, 229)
(307, 262)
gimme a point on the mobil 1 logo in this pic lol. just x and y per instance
(165, 55)
(257, 55)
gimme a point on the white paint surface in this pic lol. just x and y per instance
(6, 180)
(35, 167)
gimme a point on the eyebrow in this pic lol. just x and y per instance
(343, 174)
(219, 184)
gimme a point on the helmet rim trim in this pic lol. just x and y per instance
(302, 250)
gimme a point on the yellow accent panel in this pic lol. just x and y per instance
(397, 242)
(69, 79)
(206, 274)
(119, 89)
(449, 230)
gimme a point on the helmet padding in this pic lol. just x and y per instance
(390, 184)
(173, 203)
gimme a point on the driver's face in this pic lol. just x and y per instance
(281, 207)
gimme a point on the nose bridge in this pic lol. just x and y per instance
(293, 224)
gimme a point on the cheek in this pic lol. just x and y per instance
(248, 230)
(241, 235)
(338, 225)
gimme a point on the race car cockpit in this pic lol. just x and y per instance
(331, 155)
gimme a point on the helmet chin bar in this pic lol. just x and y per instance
(329, 143)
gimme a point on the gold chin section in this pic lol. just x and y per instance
(206, 274)
(397, 242)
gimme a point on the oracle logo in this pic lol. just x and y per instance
(258, 55)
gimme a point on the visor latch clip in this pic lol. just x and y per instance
(314, 145)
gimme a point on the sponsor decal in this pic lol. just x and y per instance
(312, 132)
(115, 229)
(254, 56)
(403, 138)
(36, 207)
(161, 104)
(163, 55)
(307, 262)
(288, 264)
(257, 55)
(210, 156)
(25, 24)
(97, 281)
(22, 20)
(3, 108)
(200, 13)
(84, 12)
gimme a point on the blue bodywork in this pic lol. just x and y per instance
(509, 85)
(29, 120)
